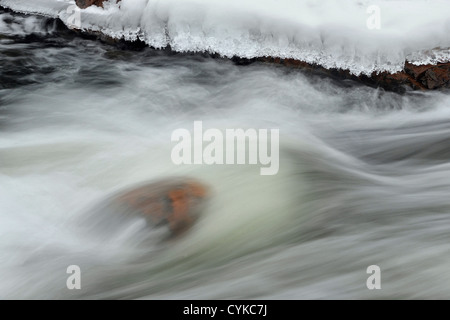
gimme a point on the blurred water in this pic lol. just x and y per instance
(364, 176)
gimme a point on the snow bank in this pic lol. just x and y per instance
(331, 33)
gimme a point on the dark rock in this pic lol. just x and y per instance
(425, 77)
(437, 77)
(430, 76)
(87, 3)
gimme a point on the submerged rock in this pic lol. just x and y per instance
(176, 203)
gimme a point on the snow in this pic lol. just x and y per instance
(331, 33)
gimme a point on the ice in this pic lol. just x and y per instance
(331, 33)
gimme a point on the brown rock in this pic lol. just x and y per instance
(396, 81)
(437, 77)
(87, 3)
(415, 71)
(175, 202)
(430, 76)
(425, 77)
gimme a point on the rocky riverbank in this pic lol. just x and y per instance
(415, 77)
(421, 77)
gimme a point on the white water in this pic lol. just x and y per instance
(331, 33)
(364, 177)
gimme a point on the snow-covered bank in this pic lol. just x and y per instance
(329, 33)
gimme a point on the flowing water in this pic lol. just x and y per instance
(364, 176)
